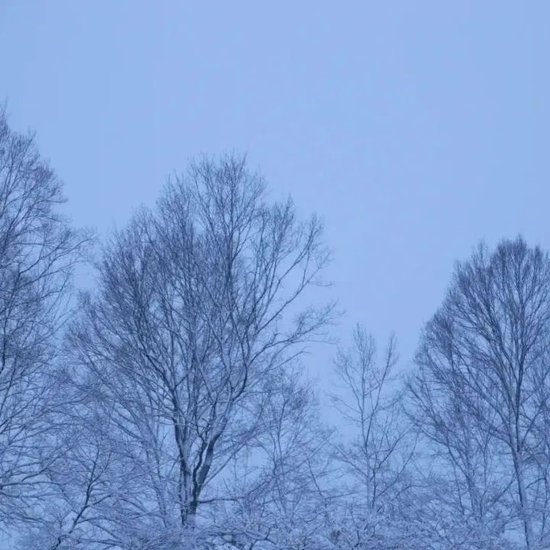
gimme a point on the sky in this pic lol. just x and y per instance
(413, 129)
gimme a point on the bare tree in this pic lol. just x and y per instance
(381, 447)
(481, 389)
(38, 251)
(197, 306)
(278, 491)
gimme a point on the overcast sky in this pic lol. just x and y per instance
(414, 129)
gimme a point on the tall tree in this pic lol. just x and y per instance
(482, 387)
(199, 304)
(38, 251)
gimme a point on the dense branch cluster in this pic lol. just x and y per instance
(167, 409)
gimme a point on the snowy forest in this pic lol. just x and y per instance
(165, 404)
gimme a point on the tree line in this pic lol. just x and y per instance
(166, 408)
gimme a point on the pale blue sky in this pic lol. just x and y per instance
(413, 128)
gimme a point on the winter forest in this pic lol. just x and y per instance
(166, 406)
